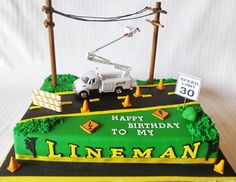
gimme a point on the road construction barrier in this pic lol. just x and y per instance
(47, 100)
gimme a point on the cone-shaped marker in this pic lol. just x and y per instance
(13, 165)
(126, 102)
(85, 107)
(219, 168)
(160, 85)
(137, 92)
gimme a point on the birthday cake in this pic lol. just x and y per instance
(112, 118)
(143, 125)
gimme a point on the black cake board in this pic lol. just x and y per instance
(64, 171)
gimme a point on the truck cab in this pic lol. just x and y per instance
(89, 81)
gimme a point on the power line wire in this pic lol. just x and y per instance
(108, 19)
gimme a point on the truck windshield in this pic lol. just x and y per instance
(85, 79)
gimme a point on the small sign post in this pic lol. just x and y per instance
(188, 87)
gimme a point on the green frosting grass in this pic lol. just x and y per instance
(203, 129)
(41, 125)
(64, 83)
(156, 81)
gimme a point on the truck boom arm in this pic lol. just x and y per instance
(93, 57)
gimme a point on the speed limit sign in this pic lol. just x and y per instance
(188, 86)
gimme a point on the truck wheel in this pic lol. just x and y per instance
(83, 94)
(118, 90)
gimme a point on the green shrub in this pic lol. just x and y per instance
(189, 113)
(64, 83)
(169, 80)
(156, 81)
(204, 129)
(37, 125)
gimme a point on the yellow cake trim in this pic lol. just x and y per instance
(111, 178)
(119, 160)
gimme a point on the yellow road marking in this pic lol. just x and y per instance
(113, 111)
(146, 95)
(39, 107)
(171, 93)
(35, 107)
(121, 97)
(94, 100)
(65, 93)
(155, 85)
(67, 103)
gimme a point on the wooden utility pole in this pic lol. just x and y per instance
(156, 24)
(49, 25)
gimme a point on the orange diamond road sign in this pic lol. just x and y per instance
(90, 126)
(161, 114)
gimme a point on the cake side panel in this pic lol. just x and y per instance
(135, 137)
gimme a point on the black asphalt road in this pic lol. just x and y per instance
(109, 101)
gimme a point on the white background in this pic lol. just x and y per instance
(199, 39)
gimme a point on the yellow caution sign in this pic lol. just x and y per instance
(90, 126)
(161, 114)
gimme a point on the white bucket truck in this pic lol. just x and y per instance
(105, 82)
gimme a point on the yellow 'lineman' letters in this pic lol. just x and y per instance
(188, 152)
